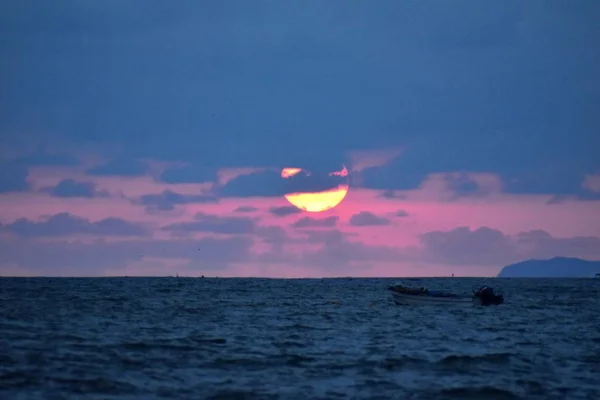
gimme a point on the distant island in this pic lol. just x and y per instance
(557, 267)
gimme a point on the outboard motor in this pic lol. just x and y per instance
(487, 297)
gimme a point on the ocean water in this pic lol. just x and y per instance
(167, 338)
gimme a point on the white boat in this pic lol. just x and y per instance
(483, 296)
(426, 299)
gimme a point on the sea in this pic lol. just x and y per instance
(218, 338)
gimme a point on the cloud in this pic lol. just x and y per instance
(551, 179)
(269, 183)
(339, 252)
(284, 211)
(397, 174)
(583, 196)
(72, 188)
(401, 213)
(168, 200)
(540, 244)
(316, 179)
(256, 184)
(14, 172)
(391, 194)
(409, 171)
(335, 253)
(592, 183)
(78, 258)
(120, 166)
(190, 173)
(308, 222)
(366, 218)
(462, 246)
(13, 177)
(75, 258)
(245, 209)
(453, 186)
(65, 224)
(372, 158)
(461, 184)
(272, 234)
(523, 166)
(486, 246)
(215, 224)
(326, 236)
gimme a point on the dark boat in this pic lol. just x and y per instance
(487, 297)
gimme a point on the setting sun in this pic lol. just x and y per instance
(316, 201)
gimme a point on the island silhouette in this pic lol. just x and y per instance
(557, 267)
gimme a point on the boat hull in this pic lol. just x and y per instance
(410, 299)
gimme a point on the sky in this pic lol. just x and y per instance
(148, 137)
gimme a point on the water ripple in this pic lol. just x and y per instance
(320, 339)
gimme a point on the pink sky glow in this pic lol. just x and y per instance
(423, 232)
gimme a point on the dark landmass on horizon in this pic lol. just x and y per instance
(557, 267)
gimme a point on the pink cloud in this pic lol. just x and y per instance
(367, 218)
(117, 185)
(440, 187)
(592, 182)
(362, 159)
(227, 174)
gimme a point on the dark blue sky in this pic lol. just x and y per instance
(509, 87)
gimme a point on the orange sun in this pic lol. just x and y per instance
(317, 201)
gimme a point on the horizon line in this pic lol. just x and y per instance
(281, 278)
